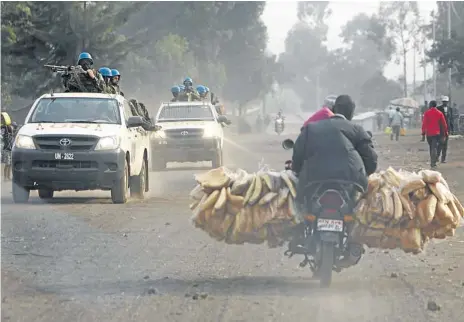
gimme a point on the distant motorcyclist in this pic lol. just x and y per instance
(114, 83)
(175, 91)
(333, 149)
(279, 122)
(325, 112)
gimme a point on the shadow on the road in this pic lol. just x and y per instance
(60, 200)
(241, 285)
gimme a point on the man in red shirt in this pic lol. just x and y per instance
(325, 112)
(435, 128)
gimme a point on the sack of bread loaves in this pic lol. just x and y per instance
(400, 209)
(240, 207)
(405, 210)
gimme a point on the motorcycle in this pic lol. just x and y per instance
(323, 238)
(279, 125)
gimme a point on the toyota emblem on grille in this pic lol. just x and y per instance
(184, 133)
(65, 142)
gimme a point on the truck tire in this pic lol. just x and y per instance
(158, 164)
(20, 194)
(46, 193)
(119, 190)
(139, 182)
(217, 159)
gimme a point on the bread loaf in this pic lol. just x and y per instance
(425, 210)
(441, 192)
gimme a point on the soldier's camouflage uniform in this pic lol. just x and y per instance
(78, 80)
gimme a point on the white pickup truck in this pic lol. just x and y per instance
(81, 141)
(191, 132)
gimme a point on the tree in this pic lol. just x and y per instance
(401, 19)
(55, 33)
(449, 52)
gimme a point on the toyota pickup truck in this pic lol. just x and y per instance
(81, 141)
(191, 132)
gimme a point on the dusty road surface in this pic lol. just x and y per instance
(81, 258)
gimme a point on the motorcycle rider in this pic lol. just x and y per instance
(332, 149)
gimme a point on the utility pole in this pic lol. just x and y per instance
(433, 60)
(449, 37)
(414, 69)
(85, 26)
(317, 90)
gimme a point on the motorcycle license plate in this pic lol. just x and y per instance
(330, 225)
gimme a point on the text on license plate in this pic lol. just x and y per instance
(329, 225)
(64, 156)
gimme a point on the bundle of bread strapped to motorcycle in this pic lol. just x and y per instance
(400, 209)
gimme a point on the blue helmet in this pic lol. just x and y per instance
(207, 89)
(175, 89)
(182, 87)
(188, 80)
(201, 89)
(115, 72)
(84, 55)
(105, 72)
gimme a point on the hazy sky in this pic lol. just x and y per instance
(280, 16)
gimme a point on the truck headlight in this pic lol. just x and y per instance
(210, 132)
(108, 143)
(24, 142)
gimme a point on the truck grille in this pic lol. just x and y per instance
(64, 164)
(77, 143)
(184, 133)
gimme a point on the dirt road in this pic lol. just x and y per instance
(81, 258)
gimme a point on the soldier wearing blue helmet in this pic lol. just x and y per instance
(175, 90)
(83, 78)
(190, 93)
(114, 83)
(202, 91)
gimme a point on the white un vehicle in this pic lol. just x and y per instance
(191, 132)
(81, 141)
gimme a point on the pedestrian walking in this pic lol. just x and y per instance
(448, 114)
(434, 127)
(396, 123)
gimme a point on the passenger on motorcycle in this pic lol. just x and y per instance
(333, 149)
(325, 112)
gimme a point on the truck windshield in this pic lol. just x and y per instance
(76, 110)
(186, 112)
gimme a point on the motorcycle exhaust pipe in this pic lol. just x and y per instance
(353, 256)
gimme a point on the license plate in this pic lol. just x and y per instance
(330, 225)
(64, 156)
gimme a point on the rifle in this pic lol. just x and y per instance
(59, 69)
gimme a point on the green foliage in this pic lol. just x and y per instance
(449, 52)
(154, 44)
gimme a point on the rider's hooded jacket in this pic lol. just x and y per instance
(322, 114)
(333, 149)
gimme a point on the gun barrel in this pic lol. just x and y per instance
(57, 68)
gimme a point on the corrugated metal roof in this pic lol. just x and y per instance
(364, 116)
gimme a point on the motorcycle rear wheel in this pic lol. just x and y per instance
(326, 265)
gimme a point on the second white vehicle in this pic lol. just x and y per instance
(191, 132)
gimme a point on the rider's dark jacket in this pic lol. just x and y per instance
(333, 149)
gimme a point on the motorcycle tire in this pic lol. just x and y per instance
(326, 265)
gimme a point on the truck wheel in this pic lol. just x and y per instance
(139, 183)
(46, 193)
(158, 164)
(217, 159)
(119, 190)
(20, 194)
